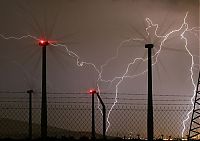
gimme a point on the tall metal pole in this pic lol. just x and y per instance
(93, 118)
(44, 96)
(104, 115)
(30, 113)
(150, 100)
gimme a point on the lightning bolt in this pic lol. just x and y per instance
(191, 71)
(183, 26)
(70, 53)
(18, 38)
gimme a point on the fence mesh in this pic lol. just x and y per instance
(70, 115)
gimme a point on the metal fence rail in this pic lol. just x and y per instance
(69, 114)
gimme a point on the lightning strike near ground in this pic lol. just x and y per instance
(151, 33)
(182, 29)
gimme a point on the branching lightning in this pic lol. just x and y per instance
(192, 73)
(183, 29)
(18, 38)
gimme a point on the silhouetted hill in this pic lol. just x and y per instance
(17, 129)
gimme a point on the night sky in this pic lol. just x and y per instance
(97, 30)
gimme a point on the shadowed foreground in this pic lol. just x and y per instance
(82, 139)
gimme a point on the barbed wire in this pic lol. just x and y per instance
(73, 113)
(81, 93)
(77, 118)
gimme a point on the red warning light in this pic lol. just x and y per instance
(43, 43)
(92, 91)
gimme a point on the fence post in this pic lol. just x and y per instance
(104, 116)
(30, 113)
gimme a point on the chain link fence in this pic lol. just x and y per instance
(69, 115)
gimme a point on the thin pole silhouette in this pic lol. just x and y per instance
(43, 44)
(30, 113)
(92, 92)
(104, 115)
(150, 100)
(93, 118)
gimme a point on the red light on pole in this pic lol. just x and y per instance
(43, 43)
(92, 91)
